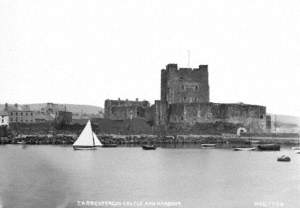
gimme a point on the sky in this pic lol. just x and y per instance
(85, 51)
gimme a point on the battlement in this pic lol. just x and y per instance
(174, 68)
(125, 103)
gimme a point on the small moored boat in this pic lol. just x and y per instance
(109, 145)
(21, 142)
(244, 148)
(208, 145)
(149, 147)
(269, 147)
(296, 148)
(284, 158)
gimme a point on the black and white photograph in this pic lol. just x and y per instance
(149, 103)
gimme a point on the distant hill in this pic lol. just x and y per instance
(285, 123)
(286, 119)
(86, 109)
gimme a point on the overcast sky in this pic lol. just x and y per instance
(83, 52)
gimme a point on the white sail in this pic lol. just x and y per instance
(97, 141)
(86, 137)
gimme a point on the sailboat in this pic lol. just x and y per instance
(297, 147)
(87, 139)
(270, 147)
(246, 148)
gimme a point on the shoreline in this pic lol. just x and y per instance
(153, 139)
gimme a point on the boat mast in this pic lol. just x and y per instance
(92, 135)
(251, 126)
(275, 125)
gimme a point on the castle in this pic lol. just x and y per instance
(185, 102)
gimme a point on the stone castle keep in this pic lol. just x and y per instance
(185, 103)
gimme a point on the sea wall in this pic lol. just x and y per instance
(140, 139)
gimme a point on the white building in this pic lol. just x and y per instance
(4, 119)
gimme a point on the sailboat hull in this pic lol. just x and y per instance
(84, 147)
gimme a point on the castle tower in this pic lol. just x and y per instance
(184, 85)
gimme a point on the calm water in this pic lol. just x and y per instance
(53, 176)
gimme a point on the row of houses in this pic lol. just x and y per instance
(22, 114)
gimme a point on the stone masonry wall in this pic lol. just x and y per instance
(251, 116)
(160, 113)
(126, 109)
(184, 85)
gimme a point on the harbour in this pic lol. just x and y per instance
(58, 176)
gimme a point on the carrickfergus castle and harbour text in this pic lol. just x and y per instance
(184, 114)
